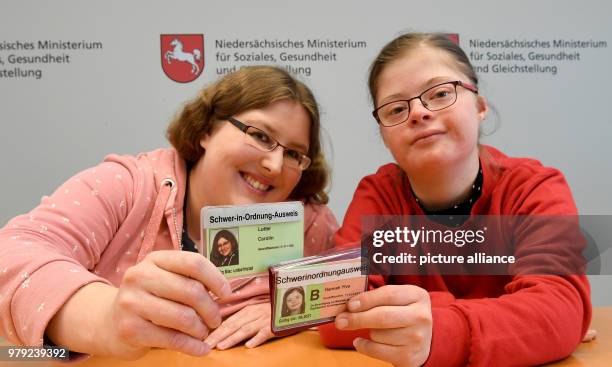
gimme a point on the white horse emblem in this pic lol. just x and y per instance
(178, 54)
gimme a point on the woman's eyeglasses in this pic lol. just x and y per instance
(263, 141)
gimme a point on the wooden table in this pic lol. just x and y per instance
(305, 349)
(598, 352)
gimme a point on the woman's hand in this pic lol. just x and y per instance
(252, 321)
(399, 317)
(163, 302)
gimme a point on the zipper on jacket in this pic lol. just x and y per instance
(179, 238)
(178, 233)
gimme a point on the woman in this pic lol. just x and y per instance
(224, 251)
(293, 302)
(95, 266)
(426, 102)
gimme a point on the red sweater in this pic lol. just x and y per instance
(485, 320)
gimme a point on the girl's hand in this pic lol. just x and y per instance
(253, 322)
(400, 323)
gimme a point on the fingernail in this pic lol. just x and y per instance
(341, 323)
(205, 348)
(221, 346)
(216, 322)
(211, 342)
(356, 341)
(354, 304)
(249, 344)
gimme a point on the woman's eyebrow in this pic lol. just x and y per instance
(272, 131)
(301, 148)
(264, 125)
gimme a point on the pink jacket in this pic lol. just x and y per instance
(98, 224)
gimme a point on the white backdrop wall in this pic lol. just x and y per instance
(107, 92)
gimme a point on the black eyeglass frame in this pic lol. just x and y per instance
(244, 127)
(456, 83)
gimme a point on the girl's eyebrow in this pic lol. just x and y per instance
(424, 86)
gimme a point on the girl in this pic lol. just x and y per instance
(97, 266)
(293, 302)
(426, 102)
(225, 249)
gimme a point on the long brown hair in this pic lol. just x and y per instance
(246, 89)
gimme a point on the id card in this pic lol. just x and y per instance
(308, 295)
(244, 240)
